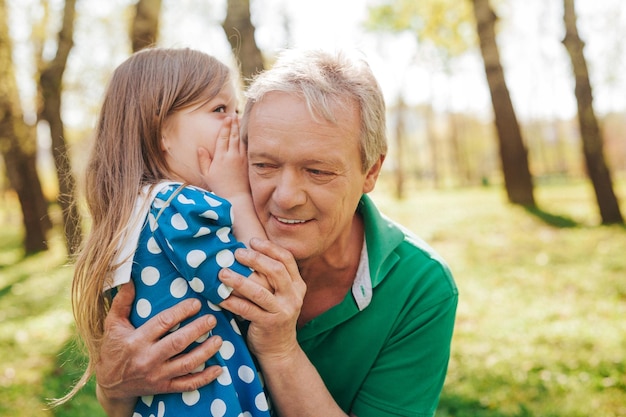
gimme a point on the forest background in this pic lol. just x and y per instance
(507, 158)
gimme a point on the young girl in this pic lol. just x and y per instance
(154, 223)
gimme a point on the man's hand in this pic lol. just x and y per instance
(142, 361)
(273, 313)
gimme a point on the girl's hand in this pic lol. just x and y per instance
(226, 173)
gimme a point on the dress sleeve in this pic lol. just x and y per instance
(194, 228)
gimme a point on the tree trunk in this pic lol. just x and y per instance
(593, 147)
(144, 31)
(50, 83)
(433, 145)
(19, 149)
(240, 33)
(513, 153)
(401, 109)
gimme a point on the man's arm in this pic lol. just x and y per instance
(295, 386)
(142, 361)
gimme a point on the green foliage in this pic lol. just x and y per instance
(540, 329)
(446, 24)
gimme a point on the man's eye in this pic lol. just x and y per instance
(319, 172)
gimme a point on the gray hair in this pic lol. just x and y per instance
(325, 80)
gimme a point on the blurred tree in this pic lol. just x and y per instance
(18, 146)
(401, 110)
(240, 33)
(443, 31)
(593, 147)
(444, 24)
(50, 88)
(513, 153)
(145, 26)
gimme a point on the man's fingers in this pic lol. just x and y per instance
(122, 302)
(193, 362)
(278, 253)
(193, 381)
(166, 320)
(275, 263)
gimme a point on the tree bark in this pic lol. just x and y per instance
(400, 139)
(593, 146)
(50, 83)
(513, 153)
(240, 33)
(144, 31)
(19, 149)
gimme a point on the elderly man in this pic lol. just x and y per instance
(361, 323)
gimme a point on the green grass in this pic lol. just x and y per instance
(540, 329)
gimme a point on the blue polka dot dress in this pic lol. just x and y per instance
(185, 240)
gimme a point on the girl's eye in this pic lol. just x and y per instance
(220, 109)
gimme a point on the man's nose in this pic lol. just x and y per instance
(289, 191)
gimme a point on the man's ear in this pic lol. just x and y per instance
(372, 175)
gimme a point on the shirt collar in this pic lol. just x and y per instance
(362, 285)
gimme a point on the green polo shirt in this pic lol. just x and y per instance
(387, 355)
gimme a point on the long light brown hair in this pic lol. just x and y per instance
(142, 92)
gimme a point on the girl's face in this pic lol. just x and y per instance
(190, 128)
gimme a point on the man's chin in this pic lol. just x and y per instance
(299, 248)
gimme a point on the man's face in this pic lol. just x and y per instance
(305, 174)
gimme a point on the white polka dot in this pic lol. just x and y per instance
(224, 378)
(245, 414)
(232, 214)
(227, 350)
(235, 326)
(178, 288)
(200, 368)
(203, 337)
(214, 307)
(195, 258)
(173, 329)
(150, 275)
(203, 231)
(246, 374)
(147, 399)
(143, 307)
(178, 222)
(218, 408)
(223, 234)
(197, 285)
(224, 290)
(210, 214)
(261, 402)
(136, 414)
(158, 203)
(191, 397)
(211, 201)
(225, 258)
(184, 200)
(153, 246)
(161, 409)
